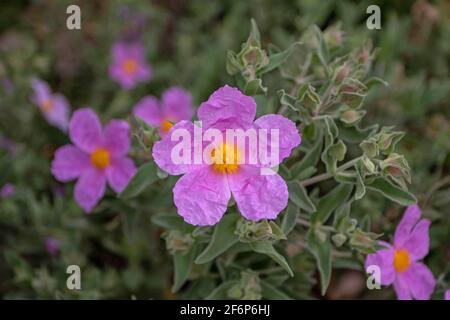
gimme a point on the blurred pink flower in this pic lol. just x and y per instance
(175, 105)
(97, 156)
(54, 107)
(399, 263)
(52, 245)
(7, 191)
(202, 194)
(447, 295)
(128, 65)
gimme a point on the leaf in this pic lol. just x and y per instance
(222, 239)
(183, 266)
(355, 134)
(275, 60)
(254, 87)
(271, 292)
(144, 177)
(220, 293)
(266, 247)
(290, 218)
(299, 196)
(322, 252)
(310, 159)
(322, 50)
(171, 222)
(331, 201)
(391, 191)
(287, 100)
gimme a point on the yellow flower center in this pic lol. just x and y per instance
(100, 158)
(130, 66)
(47, 105)
(225, 158)
(401, 260)
(166, 125)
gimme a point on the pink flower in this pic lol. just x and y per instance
(52, 245)
(128, 65)
(202, 194)
(97, 156)
(54, 107)
(7, 191)
(175, 105)
(399, 263)
(447, 295)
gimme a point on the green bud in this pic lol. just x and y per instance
(387, 139)
(309, 98)
(250, 231)
(368, 165)
(178, 242)
(352, 117)
(396, 166)
(248, 288)
(339, 239)
(370, 147)
(364, 242)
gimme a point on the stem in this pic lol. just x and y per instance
(325, 176)
(306, 223)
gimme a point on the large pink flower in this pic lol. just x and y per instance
(202, 194)
(54, 107)
(128, 65)
(175, 105)
(399, 264)
(97, 156)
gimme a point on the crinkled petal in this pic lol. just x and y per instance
(406, 225)
(418, 242)
(69, 163)
(201, 196)
(149, 110)
(116, 137)
(228, 107)
(401, 287)
(383, 259)
(90, 188)
(85, 130)
(258, 196)
(119, 173)
(59, 114)
(288, 137)
(166, 152)
(420, 281)
(177, 104)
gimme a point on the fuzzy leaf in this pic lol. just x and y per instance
(266, 247)
(144, 177)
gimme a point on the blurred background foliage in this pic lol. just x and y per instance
(122, 254)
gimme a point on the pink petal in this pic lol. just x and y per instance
(116, 137)
(85, 130)
(90, 188)
(401, 287)
(258, 196)
(162, 150)
(148, 109)
(227, 107)
(177, 104)
(59, 115)
(447, 295)
(404, 228)
(201, 196)
(418, 242)
(119, 173)
(69, 163)
(384, 260)
(289, 138)
(420, 280)
(41, 90)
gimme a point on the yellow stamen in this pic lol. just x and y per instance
(401, 260)
(225, 158)
(47, 105)
(166, 125)
(130, 66)
(100, 158)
